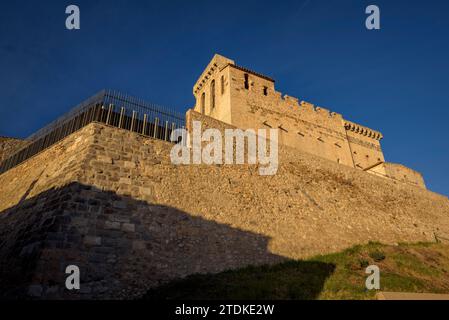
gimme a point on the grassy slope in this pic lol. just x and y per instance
(418, 267)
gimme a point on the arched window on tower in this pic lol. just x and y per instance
(222, 85)
(212, 94)
(203, 103)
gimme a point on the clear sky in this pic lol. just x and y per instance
(395, 80)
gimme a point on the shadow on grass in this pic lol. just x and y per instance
(296, 280)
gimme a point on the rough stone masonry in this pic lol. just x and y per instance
(110, 201)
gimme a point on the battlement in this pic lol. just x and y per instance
(320, 111)
(247, 99)
(354, 127)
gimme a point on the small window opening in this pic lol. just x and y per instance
(222, 85)
(246, 81)
(212, 94)
(203, 103)
(265, 91)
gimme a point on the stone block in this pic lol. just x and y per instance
(104, 159)
(139, 245)
(125, 181)
(128, 227)
(146, 191)
(92, 241)
(112, 225)
(129, 165)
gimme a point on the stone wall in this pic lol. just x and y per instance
(8, 146)
(111, 202)
(249, 100)
(405, 174)
(33, 221)
(398, 172)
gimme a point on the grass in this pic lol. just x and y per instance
(421, 267)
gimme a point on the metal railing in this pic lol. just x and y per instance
(109, 107)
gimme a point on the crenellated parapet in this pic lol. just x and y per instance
(365, 131)
(325, 113)
(246, 99)
(297, 108)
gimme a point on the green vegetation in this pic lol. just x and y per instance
(421, 267)
(377, 255)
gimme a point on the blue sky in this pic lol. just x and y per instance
(395, 80)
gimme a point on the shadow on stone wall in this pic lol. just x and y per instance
(122, 246)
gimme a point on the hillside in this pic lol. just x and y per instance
(421, 267)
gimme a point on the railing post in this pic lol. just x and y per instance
(173, 125)
(72, 125)
(166, 131)
(93, 113)
(84, 118)
(10, 164)
(64, 129)
(156, 126)
(122, 112)
(144, 125)
(108, 117)
(101, 112)
(133, 120)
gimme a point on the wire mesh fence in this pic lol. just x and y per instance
(110, 107)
